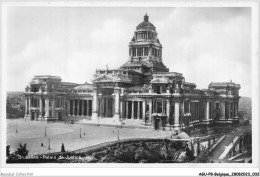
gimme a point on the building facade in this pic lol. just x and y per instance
(143, 88)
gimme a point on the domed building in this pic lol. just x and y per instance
(142, 90)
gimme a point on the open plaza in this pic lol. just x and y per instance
(33, 134)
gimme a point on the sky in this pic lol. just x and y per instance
(204, 44)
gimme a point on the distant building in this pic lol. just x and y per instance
(143, 84)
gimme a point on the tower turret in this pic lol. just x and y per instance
(145, 46)
(145, 50)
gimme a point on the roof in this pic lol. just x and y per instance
(146, 24)
(148, 64)
(69, 84)
(47, 77)
(163, 80)
(189, 83)
(223, 85)
(167, 74)
(112, 78)
(85, 86)
(136, 88)
(134, 64)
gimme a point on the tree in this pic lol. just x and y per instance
(62, 148)
(7, 151)
(202, 157)
(22, 150)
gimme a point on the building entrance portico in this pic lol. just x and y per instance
(106, 106)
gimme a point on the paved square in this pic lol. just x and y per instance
(33, 133)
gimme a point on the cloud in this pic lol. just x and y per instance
(41, 56)
(206, 48)
(205, 44)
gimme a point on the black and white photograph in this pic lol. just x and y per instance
(130, 85)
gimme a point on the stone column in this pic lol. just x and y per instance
(163, 111)
(229, 106)
(40, 108)
(73, 107)
(68, 108)
(106, 107)
(177, 116)
(94, 104)
(101, 108)
(237, 107)
(155, 107)
(138, 109)
(207, 111)
(77, 113)
(82, 107)
(26, 107)
(189, 107)
(150, 51)
(53, 107)
(113, 109)
(222, 110)
(126, 109)
(234, 109)
(117, 104)
(144, 106)
(150, 109)
(168, 110)
(46, 108)
(183, 106)
(121, 109)
(87, 107)
(29, 106)
(132, 115)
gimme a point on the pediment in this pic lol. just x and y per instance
(104, 78)
(159, 80)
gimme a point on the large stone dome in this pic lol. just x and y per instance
(146, 24)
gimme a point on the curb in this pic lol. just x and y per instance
(117, 126)
(215, 145)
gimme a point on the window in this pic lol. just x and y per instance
(186, 106)
(134, 52)
(146, 51)
(217, 106)
(158, 89)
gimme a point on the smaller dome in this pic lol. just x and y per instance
(146, 24)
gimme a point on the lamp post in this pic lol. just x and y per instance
(80, 133)
(118, 135)
(45, 131)
(49, 144)
(121, 123)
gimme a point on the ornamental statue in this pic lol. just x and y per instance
(177, 89)
(27, 88)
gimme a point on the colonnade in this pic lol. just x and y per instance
(137, 109)
(228, 110)
(43, 107)
(79, 107)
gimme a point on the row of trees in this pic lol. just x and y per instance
(14, 112)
